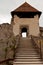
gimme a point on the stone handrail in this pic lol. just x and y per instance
(37, 44)
(17, 41)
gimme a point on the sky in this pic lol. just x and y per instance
(6, 6)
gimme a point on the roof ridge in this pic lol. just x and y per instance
(26, 7)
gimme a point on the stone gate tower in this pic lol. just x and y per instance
(25, 19)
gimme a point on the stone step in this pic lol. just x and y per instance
(27, 47)
(27, 63)
(19, 54)
(27, 60)
(26, 53)
(27, 57)
(20, 50)
(31, 49)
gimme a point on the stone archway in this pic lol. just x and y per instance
(24, 31)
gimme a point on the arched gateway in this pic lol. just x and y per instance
(25, 19)
(24, 32)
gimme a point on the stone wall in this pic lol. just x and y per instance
(6, 35)
(5, 31)
(32, 23)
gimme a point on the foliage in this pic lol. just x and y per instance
(11, 42)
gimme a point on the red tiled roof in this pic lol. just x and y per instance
(25, 8)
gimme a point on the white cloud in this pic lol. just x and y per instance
(5, 19)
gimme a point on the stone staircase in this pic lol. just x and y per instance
(26, 54)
